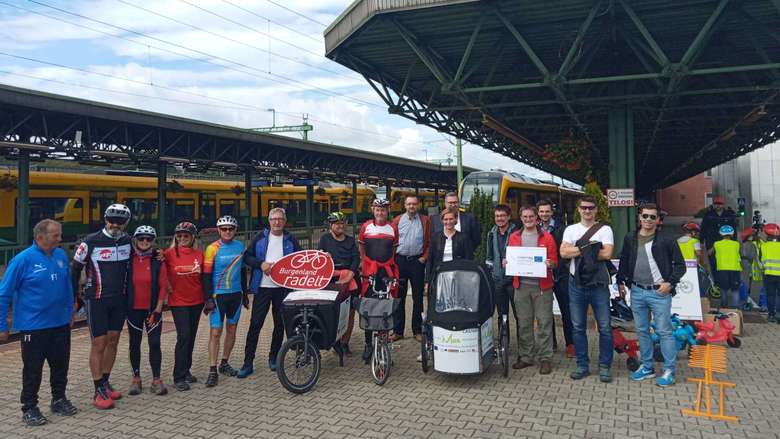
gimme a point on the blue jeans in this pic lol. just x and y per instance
(598, 299)
(644, 302)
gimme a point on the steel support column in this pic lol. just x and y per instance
(621, 168)
(23, 225)
(354, 208)
(248, 199)
(162, 177)
(309, 202)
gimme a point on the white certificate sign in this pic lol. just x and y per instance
(526, 261)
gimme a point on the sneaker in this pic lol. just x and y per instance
(666, 379)
(112, 393)
(272, 365)
(63, 407)
(189, 378)
(245, 371)
(419, 358)
(642, 373)
(579, 373)
(570, 352)
(102, 400)
(520, 364)
(135, 387)
(605, 376)
(227, 370)
(182, 386)
(367, 351)
(212, 379)
(545, 367)
(158, 388)
(33, 417)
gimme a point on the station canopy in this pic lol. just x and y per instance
(699, 78)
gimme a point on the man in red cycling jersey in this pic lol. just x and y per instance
(378, 240)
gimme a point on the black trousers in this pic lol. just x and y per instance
(51, 345)
(504, 292)
(186, 319)
(264, 299)
(410, 269)
(136, 322)
(561, 290)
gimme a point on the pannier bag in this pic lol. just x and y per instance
(377, 314)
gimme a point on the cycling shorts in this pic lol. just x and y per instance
(105, 315)
(228, 306)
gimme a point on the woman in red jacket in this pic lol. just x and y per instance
(533, 297)
(184, 261)
(145, 299)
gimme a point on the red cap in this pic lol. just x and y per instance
(718, 200)
(746, 233)
(772, 229)
(691, 226)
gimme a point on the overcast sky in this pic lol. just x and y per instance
(221, 61)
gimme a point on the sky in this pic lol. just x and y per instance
(220, 61)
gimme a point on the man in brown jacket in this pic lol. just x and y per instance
(414, 231)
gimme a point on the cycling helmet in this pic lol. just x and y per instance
(227, 220)
(335, 217)
(380, 202)
(186, 226)
(118, 212)
(772, 229)
(145, 231)
(691, 226)
(726, 230)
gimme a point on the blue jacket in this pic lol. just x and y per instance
(255, 254)
(39, 287)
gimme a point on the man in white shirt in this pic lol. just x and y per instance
(589, 245)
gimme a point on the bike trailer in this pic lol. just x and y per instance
(330, 312)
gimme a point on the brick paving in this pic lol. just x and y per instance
(346, 403)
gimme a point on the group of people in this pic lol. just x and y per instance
(129, 279)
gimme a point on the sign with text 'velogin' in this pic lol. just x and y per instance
(620, 197)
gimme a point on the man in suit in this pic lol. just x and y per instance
(467, 223)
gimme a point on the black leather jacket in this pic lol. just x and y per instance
(666, 253)
(461, 249)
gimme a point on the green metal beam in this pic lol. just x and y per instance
(421, 53)
(659, 53)
(569, 61)
(23, 226)
(467, 53)
(162, 187)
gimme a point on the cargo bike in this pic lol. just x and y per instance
(457, 335)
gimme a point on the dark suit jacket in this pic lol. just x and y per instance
(461, 249)
(468, 226)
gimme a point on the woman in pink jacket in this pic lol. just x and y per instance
(533, 296)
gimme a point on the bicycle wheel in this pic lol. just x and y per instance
(380, 359)
(424, 357)
(504, 349)
(298, 365)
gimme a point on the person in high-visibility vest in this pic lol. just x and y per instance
(770, 261)
(752, 273)
(689, 244)
(727, 266)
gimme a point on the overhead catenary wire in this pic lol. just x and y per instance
(251, 12)
(297, 13)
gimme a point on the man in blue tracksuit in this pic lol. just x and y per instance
(263, 251)
(37, 282)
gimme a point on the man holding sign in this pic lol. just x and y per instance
(651, 264)
(528, 250)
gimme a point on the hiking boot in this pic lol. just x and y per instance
(245, 371)
(111, 392)
(182, 386)
(642, 373)
(579, 373)
(102, 400)
(545, 367)
(605, 376)
(227, 370)
(212, 379)
(520, 364)
(158, 388)
(189, 378)
(570, 352)
(135, 387)
(63, 407)
(33, 417)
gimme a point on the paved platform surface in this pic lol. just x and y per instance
(346, 403)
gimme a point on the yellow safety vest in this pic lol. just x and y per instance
(757, 274)
(770, 256)
(687, 247)
(727, 255)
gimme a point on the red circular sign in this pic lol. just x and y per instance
(303, 270)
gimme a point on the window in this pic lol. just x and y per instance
(177, 211)
(346, 203)
(208, 209)
(457, 291)
(60, 209)
(144, 210)
(231, 207)
(486, 184)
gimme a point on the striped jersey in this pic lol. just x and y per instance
(224, 260)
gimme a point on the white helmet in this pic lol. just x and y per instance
(119, 211)
(227, 220)
(145, 231)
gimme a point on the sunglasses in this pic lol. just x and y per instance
(182, 234)
(144, 239)
(648, 216)
(587, 207)
(227, 229)
(116, 221)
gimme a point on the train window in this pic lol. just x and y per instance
(59, 209)
(231, 207)
(486, 184)
(512, 199)
(208, 209)
(346, 203)
(144, 210)
(334, 205)
(529, 199)
(177, 211)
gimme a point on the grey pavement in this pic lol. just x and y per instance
(346, 402)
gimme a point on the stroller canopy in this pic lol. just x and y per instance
(460, 297)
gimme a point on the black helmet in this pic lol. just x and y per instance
(620, 310)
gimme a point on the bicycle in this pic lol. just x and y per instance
(376, 314)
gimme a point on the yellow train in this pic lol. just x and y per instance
(78, 201)
(517, 190)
